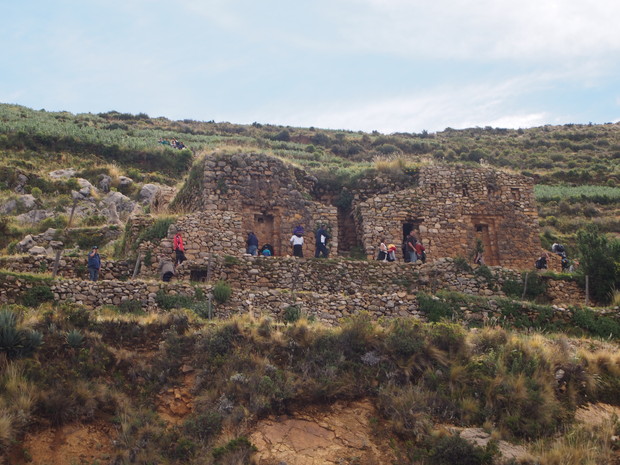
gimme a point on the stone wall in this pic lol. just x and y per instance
(265, 194)
(452, 207)
(69, 267)
(328, 308)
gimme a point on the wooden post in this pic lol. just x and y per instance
(524, 286)
(210, 307)
(72, 212)
(56, 263)
(137, 267)
(587, 290)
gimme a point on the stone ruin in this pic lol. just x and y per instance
(449, 207)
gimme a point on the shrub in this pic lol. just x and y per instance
(130, 306)
(599, 325)
(448, 450)
(156, 231)
(37, 295)
(74, 339)
(599, 261)
(204, 426)
(405, 337)
(434, 308)
(222, 292)
(461, 264)
(292, 313)
(236, 451)
(16, 342)
(168, 302)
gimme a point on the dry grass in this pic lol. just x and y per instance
(582, 445)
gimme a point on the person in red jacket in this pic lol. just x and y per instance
(419, 251)
(179, 248)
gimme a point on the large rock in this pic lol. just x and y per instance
(124, 181)
(34, 216)
(86, 188)
(124, 205)
(62, 174)
(105, 182)
(148, 193)
(37, 250)
(24, 202)
(25, 244)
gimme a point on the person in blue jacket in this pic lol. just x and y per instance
(252, 243)
(94, 263)
(321, 236)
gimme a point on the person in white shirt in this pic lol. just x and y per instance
(297, 240)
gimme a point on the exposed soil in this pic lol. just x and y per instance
(67, 444)
(340, 434)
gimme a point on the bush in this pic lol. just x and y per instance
(600, 257)
(292, 313)
(156, 231)
(435, 309)
(599, 325)
(37, 295)
(222, 292)
(14, 341)
(449, 450)
(130, 306)
(168, 302)
(204, 426)
(236, 451)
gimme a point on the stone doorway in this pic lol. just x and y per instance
(348, 240)
(485, 231)
(265, 226)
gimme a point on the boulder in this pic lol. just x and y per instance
(105, 182)
(123, 204)
(62, 174)
(124, 181)
(148, 193)
(37, 250)
(22, 180)
(8, 207)
(34, 216)
(25, 244)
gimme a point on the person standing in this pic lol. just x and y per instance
(251, 243)
(94, 263)
(410, 243)
(297, 241)
(321, 236)
(179, 248)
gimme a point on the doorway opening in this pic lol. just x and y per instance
(486, 234)
(264, 226)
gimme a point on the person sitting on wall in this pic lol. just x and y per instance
(166, 269)
(252, 243)
(391, 255)
(266, 250)
(321, 242)
(541, 263)
(94, 263)
(382, 255)
(179, 248)
(297, 241)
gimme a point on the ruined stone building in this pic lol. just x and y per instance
(448, 206)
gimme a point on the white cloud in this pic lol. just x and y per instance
(498, 29)
(457, 107)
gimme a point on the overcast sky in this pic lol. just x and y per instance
(386, 65)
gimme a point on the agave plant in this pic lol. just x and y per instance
(74, 338)
(14, 341)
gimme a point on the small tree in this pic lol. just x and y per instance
(600, 260)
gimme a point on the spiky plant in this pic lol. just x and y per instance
(74, 339)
